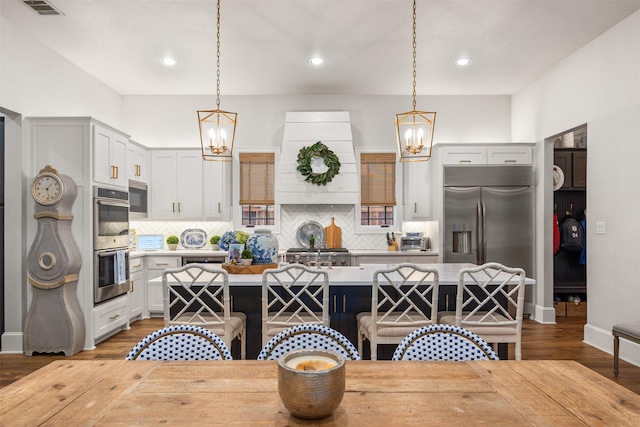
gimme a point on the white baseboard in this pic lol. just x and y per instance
(12, 342)
(603, 340)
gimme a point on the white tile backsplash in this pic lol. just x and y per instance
(292, 217)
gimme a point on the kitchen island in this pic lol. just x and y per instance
(349, 294)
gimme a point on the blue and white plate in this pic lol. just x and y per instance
(194, 238)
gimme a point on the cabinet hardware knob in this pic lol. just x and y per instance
(465, 161)
(510, 161)
(415, 207)
(334, 303)
(344, 303)
(174, 207)
(218, 207)
(114, 317)
(179, 207)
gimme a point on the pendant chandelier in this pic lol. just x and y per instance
(217, 127)
(414, 129)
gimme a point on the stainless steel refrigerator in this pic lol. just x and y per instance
(489, 215)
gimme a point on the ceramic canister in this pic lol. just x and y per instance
(264, 246)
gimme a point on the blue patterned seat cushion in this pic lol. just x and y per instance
(308, 336)
(180, 342)
(443, 342)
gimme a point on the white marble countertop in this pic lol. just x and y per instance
(210, 252)
(356, 276)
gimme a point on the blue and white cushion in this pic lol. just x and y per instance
(180, 342)
(443, 342)
(308, 336)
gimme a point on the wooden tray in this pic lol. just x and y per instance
(247, 269)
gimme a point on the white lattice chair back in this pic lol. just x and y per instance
(293, 295)
(308, 336)
(403, 298)
(199, 295)
(195, 297)
(490, 295)
(180, 342)
(443, 342)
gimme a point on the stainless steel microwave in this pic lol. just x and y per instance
(138, 200)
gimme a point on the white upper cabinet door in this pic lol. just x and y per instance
(176, 184)
(109, 156)
(217, 189)
(509, 155)
(164, 184)
(466, 155)
(189, 178)
(137, 163)
(418, 193)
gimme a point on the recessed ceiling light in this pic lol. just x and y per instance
(316, 60)
(169, 62)
(463, 61)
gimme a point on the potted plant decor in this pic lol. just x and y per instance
(172, 242)
(214, 242)
(247, 257)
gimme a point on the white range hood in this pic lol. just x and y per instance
(302, 129)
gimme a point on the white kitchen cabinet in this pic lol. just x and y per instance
(137, 162)
(176, 184)
(497, 154)
(109, 156)
(418, 193)
(135, 304)
(217, 190)
(155, 266)
(509, 154)
(109, 317)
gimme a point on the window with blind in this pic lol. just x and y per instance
(257, 175)
(377, 188)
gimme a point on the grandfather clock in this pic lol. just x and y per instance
(55, 322)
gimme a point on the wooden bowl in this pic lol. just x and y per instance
(315, 392)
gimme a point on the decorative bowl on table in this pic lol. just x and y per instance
(311, 382)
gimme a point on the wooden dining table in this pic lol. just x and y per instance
(378, 393)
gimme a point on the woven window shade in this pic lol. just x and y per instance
(257, 174)
(378, 179)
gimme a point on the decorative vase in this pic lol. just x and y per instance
(246, 261)
(172, 246)
(264, 246)
(215, 247)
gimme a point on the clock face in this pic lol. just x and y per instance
(47, 189)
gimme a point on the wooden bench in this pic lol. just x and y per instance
(627, 330)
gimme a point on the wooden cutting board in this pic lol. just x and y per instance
(333, 235)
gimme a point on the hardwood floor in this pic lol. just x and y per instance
(562, 341)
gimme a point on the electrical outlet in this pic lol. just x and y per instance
(600, 228)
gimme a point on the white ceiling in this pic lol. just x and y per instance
(367, 43)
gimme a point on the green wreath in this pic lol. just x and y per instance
(330, 160)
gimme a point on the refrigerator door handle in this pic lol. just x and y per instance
(479, 233)
(484, 234)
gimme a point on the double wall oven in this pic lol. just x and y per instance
(110, 243)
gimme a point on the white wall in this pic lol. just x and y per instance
(171, 121)
(35, 81)
(599, 85)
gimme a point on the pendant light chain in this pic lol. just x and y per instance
(414, 55)
(218, 60)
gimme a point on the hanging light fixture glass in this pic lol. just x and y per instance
(414, 129)
(217, 127)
